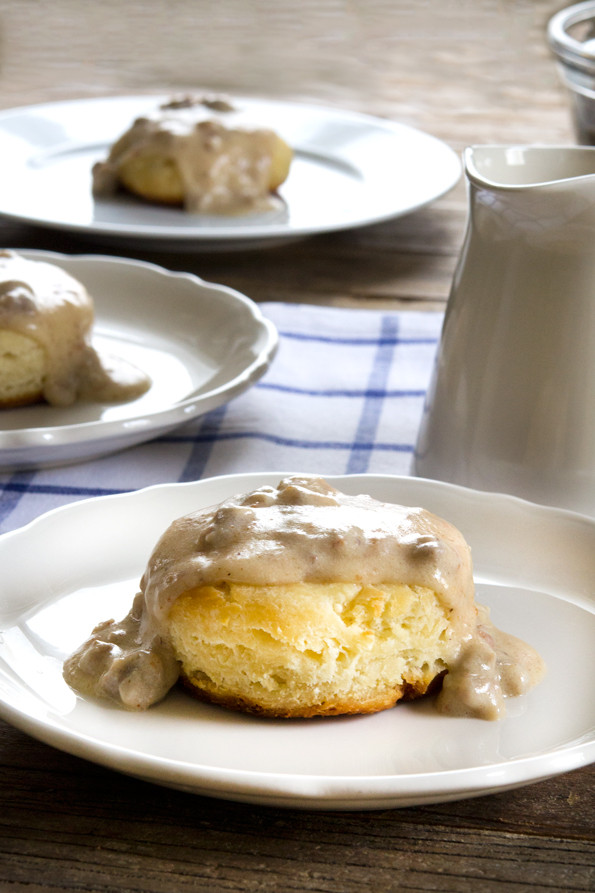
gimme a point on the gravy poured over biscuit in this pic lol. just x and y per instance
(307, 532)
(42, 303)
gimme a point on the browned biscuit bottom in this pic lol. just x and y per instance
(405, 692)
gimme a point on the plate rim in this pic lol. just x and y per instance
(308, 790)
(257, 233)
(95, 431)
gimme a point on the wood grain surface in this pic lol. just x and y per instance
(468, 71)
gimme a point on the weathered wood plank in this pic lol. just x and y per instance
(72, 824)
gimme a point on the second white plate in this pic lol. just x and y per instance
(533, 567)
(200, 343)
(349, 170)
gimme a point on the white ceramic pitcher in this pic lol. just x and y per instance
(511, 406)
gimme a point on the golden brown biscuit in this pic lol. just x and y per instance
(310, 649)
(46, 354)
(201, 157)
(22, 370)
(301, 601)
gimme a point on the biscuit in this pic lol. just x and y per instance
(299, 601)
(310, 649)
(202, 157)
(46, 350)
(22, 369)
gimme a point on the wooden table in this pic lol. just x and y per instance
(476, 71)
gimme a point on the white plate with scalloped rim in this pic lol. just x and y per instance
(533, 567)
(200, 343)
(349, 169)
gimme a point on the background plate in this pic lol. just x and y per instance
(202, 344)
(349, 170)
(533, 567)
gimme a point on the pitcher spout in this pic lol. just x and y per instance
(514, 167)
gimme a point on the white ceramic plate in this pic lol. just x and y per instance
(534, 567)
(349, 170)
(201, 344)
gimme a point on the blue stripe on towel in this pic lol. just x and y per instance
(366, 393)
(283, 441)
(20, 488)
(15, 486)
(199, 456)
(359, 459)
(357, 340)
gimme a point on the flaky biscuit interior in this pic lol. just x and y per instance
(310, 649)
(22, 369)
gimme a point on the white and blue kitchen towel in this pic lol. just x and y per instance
(344, 395)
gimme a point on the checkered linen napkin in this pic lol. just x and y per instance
(344, 395)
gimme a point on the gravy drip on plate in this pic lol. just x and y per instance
(44, 303)
(306, 531)
(224, 164)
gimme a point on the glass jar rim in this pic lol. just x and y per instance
(567, 48)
